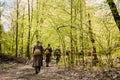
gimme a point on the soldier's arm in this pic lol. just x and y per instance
(42, 48)
(33, 49)
(51, 49)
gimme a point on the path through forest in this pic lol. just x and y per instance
(26, 72)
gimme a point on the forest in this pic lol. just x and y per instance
(89, 29)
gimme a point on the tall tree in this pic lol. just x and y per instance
(0, 34)
(17, 11)
(115, 13)
(29, 31)
(81, 29)
(1, 26)
(22, 34)
(37, 18)
(95, 59)
(71, 32)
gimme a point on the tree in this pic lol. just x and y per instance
(29, 31)
(17, 11)
(115, 13)
(71, 33)
(1, 26)
(22, 34)
(91, 35)
(0, 33)
(81, 27)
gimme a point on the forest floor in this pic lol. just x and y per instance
(19, 71)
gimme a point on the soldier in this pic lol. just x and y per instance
(48, 52)
(57, 53)
(37, 57)
(67, 51)
(42, 51)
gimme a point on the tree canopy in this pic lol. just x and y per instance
(90, 27)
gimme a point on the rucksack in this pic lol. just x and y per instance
(57, 51)
(46, 52)
(37, 51)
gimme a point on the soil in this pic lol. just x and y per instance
(18, 71)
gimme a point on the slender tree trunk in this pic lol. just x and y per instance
(0, 34)
(1, 26)
(22, 34)
(95, 59)
(115, 13)
(76, 37)
(17, 29)
(81, 28)
(31, 19)
(71, 35)
(13, 37)
(37, 17)
(29, 31)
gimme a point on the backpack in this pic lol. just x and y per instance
(57, 51)
(46, 52)
(37, 51)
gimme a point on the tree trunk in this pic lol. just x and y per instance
(115, 13)
(29, 31)
(22, 34)
(95, 59)
(1, 26)
(17, 29)
(37, 32)
(13, 37)
(0, 34)
(71, 35)
(81, 28)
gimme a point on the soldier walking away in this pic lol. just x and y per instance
(48, 53)
(37, 57)
(57, 54)
(42, 51)
(67, 53)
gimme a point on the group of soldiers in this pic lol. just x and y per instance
(39, 51)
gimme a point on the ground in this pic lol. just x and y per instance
(26, 72)
(18, 71)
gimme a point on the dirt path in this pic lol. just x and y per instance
(26, 72)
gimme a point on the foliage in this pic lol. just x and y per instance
(59, 22)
